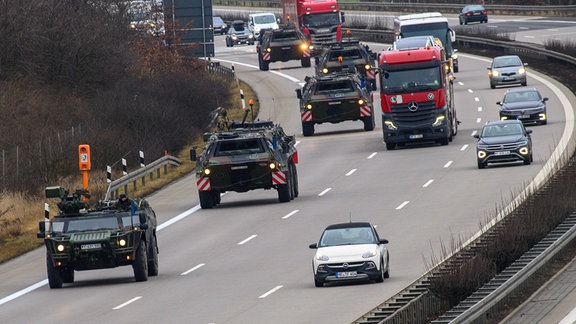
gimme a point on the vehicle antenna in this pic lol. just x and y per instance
(350, 217)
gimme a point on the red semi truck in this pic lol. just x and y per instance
(320, 20)
(417, 97)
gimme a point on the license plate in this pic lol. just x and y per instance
(241, 167)
(286, 48)
(91, 246)
(334, 102)
(500, 153)
(346, 274)
(524, 116)
(416, 136)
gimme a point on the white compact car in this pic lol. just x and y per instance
(350, 251)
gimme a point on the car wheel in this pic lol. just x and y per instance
(492, 85)
(307, 128)
(445, 141)
(140, 264)
(318, 283)
(387, 272)
(481, 165)
(390, 146)
(206, 199)
(54, 275)
(67, 275)
(525, 83)
(380, 277)
(544, 122)
(461, 23)
(152, 257)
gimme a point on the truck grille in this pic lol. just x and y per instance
(425, 114)
(89, 237)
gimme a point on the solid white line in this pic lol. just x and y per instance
(286, 76)
(178, 218)
(350, 172)
(402, 205)
(193, 269)
(324, 192)
(23, 291)
(429, 182)
(248, 239)
(271, 291)
(448, 164)
(570, 318)
(464, 147)
(291, 213)
(127, 303)
(372, 155)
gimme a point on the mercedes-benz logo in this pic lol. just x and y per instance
(413, 106)
(345, 266)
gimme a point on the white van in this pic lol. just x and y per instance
(260, 21)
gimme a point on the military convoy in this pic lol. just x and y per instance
(257, 155)
(284, 44)
(79, 238)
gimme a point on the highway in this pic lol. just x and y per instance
(247, 261)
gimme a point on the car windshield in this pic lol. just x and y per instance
(266, 19)
(105, 222)
(506, 62)
(347, 236)
(239, 147)
(327, 19)
(521, 96)
(502, 130)
(217, 21)
(338, 86)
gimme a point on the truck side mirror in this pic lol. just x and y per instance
(193, 154)
(342, 18)
(299, 93)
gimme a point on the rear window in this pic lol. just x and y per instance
(339, 86)
(239, 147)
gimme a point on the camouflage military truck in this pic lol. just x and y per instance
(342, 55)
(79, 238)
(250, 156)
(334, 98)
(284, 44)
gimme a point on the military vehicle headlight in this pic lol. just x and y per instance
(360, 101)
(309, 106)
(439, 120)
(272, 165)
(206, 171)
(303, 46)
(390, 125)
(454, 56)
(367, 67)
(481, 154)
(521, 70)
(60, 247)
(268, 50)
(122, 242)
(325, 70)
(524, 150)
(133, 26)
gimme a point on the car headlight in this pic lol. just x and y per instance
(524, 150)
(322, 257)
(369, 254)
(503, 118)
(224, 26)
(542, 116)
(257, 28)
(234, 37)
(250, 36)
(521, 70)
(325, 70)
(438, 121)
(454, 56)
(390, 125)
(481, 154)
(495, 73)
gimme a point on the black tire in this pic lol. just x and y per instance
(140, 264)
(387, 272)
(152, 257)
(369, 123)
(390, 146)
(295, 180)
(318, 283)
(492, 85)
(206, 199)
(284, 190)
(445, 141)
(260, 62)
(380, 277)
(461, 23)
(374, 86)
(215, 197)
(54, 275)
(527, 162)
(456, 68)
(307, 128)
(454, 125)
(67, 275)
(481, 165)
(544, 122)
(305, 61)
(525, 83)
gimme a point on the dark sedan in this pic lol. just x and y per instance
(524, 104)
(473, 13)
(239, 34)
(503, 141)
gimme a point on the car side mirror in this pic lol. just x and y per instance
(313, 246)
(499, 103)
(383, 241)
(299, 93)
(525, 64)
(545, 99)
(528, 131)
(477, 136)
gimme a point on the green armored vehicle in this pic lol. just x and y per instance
(249, 156)
(284, 44)
(334, 98)
(111, 235)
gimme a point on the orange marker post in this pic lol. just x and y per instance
(251, 103)
(84, 162)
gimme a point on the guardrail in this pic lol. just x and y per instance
(141, 174)
(216, 68)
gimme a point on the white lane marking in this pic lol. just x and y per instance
(247, 239)
(402, 205)
(271, 291)
(474, 133)
(350, 172)
(470, 90)
(286, 76)
(448, 164)
(297, 142)
(528, 36)
(478, 120)
(429, 182)
(523, 28)
(479, 109)
(291, 213)
(324, 192)
(476, 99)
(464, 147)
(372, 155)
(193, 269)
(127, 303)
(178, 217)
(23, 291)
(461, 83)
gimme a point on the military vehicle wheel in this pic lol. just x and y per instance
(284, 190)
(216, 197)
(307, 128)
(390, 146)
(54, 276)
(295, 180)
(265, 66)
(306, 62)
(152, 257)
(368, 123)
(140, 264)
(206, 199)
(67, 275)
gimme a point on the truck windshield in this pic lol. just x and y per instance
(105, 222)
(427, 79)
(438, 29)
(339, 86)
(239, 147)
(327, 19)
